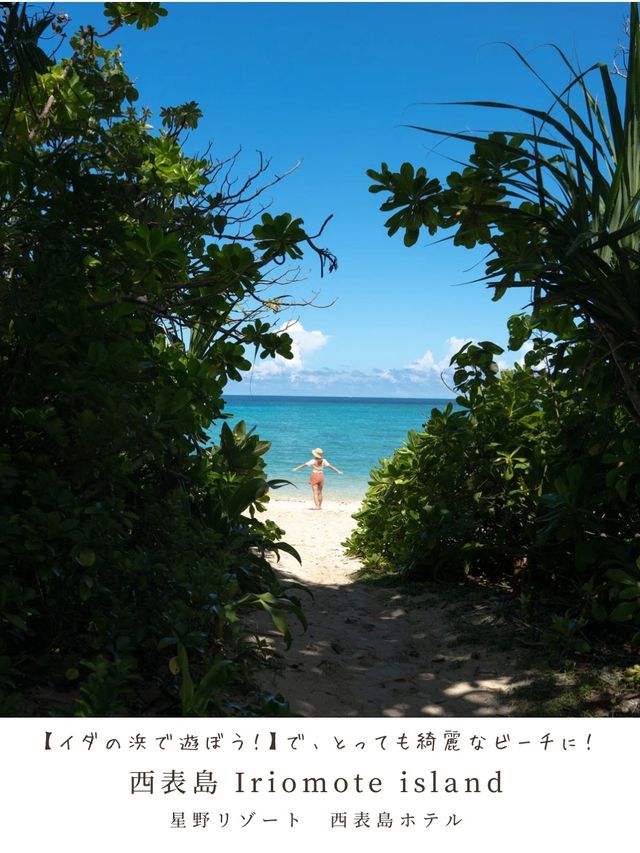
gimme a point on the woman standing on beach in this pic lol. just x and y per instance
(317, 465)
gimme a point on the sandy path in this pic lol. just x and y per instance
(370, 651)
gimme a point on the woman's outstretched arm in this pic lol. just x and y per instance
(329, 465)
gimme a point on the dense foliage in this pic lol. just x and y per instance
(523, 482)
(538, 476)
(134, 277)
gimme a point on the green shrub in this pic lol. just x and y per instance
(129, 544)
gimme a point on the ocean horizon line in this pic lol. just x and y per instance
(356, 433)
(316, 397)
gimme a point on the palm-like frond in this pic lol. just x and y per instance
(577, 189)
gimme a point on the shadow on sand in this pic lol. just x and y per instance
(376, 652)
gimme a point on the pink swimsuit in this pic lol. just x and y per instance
(317, 474)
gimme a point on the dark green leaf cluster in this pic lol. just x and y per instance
(129, 544)
(526, 479)
(536, 478)
(143, 15)
(414, 194)
(556, 207)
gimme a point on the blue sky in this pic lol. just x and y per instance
(334, 85)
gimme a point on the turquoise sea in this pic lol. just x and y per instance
(354, 432)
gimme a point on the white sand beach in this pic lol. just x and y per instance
(369, 650)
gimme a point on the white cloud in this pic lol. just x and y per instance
(386, 375)
(428, 364)
(424, 364)
(456, 344)
(422, 377)
(304, 343)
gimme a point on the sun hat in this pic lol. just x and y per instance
(318, 452)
